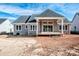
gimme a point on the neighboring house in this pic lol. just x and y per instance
(75, 23)
(46, 23)
(5, 26)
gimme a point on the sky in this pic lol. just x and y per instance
(14, 10)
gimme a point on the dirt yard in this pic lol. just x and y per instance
(68, 45)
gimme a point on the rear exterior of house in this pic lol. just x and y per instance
(46, 23)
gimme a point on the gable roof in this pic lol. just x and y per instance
(2, 20)
(22, 19)
(75, 16)
(49, 13)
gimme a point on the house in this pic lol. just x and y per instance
(5, 26)
(75, 23)
(46, 23)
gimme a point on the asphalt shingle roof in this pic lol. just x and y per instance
(22, 19)
(2, 20)
(49, 13)
(46, 13)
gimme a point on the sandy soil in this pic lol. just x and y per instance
(68, 45)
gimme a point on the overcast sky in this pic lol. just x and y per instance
(13, 11)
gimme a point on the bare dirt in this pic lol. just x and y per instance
(68, 45)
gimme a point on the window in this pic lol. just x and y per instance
(33, 27)
(59, 27)
(65, 27)
(18, 27)
(47, 28)
(26, 26)
(74, 28)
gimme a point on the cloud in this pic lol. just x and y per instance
(17, 10)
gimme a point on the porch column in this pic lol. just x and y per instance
(69, 28)
(37, 28)
(62, 26)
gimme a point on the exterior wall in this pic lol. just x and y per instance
(68, 28)
(6, 26)
(23, 30)
(74, 23)
(30, 32)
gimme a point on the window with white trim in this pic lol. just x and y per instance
(33, 27)
(47, 28)
(64, 27)
(75, 28)
(59, 27)
(26, 26)
(18, 27)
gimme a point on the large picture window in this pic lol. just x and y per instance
(47, 28)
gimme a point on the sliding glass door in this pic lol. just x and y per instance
(47, 28)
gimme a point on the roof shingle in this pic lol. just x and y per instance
(22, 19)
(49, 13)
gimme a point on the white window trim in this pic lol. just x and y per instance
(47, 24)
(18, 28)
(63, 28)
(25, 26)
(33, 29)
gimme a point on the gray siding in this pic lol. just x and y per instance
(24, 31)
(31, 32)
(75, 23)
(56, 28)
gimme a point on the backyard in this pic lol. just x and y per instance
(68, 45)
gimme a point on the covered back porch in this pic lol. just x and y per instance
(49, 26)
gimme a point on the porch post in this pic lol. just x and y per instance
(37, 28)
(69, 28)
(62, 26)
